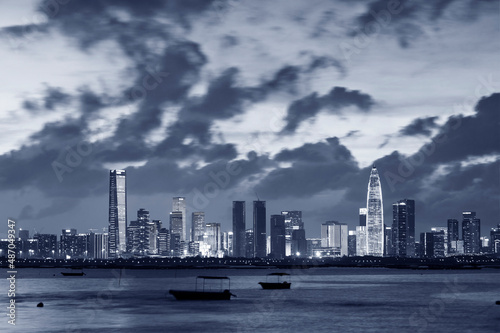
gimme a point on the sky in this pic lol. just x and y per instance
(288, 101)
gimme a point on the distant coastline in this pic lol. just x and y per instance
(456, 262)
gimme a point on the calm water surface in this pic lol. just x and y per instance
(321, 300)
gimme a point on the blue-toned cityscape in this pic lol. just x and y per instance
(147, 237)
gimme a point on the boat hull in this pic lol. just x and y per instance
(275, 285)
(72, 274)
(185, 295)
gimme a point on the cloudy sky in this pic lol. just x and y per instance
(291, 101)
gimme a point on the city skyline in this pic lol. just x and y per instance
(217, 101)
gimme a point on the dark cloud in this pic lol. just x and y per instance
(229, 41)
(333, 102)
(55, 96)
(406, 19)
(420, 126)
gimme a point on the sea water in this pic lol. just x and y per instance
(320, 300)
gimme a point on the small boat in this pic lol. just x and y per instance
(73, 273)
(204, 295)
(276, 285)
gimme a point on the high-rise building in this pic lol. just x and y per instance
(389, 248)
(351, 243)
(213, 238)
(293, 221)
(98, 244)
(439, 240)
(471, 232)
(278, 236)
(164, 242)
(374, 216)
(227, 243)
(299, 243)
(47, 245)
(361, 240)
(239, 222)
(259, 228)
(362, 217)
(198, 226)
(176, 223)
(453, 236)
(313, 247)
(334, 235)
(495, 239)
(142, 234)
(403, 224)
(179, 205)
(427, 245)
(117, 213)
(249, 247)
(73, 245)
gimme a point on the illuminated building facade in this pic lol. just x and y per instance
(374, 216)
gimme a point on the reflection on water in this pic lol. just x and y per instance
(320, 300)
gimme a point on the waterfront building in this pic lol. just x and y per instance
(471, 232)
(213, 239)
(293, 221)
(361, 240)
(374, 216)
(403, 226)
(47, 245)
(278, 232)
(239, 225)
(299, 243)
(351, 241)
(453, 235)
(249, 247)
(495, 239)
(334, 235)
(179, 205)
(259, 228)
(197, 226)
(117, 235)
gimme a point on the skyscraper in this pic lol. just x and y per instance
(197, 226)
(453, 236)
(117, 239)
(403, 224)
(299, 243)
(239, 221)
(362, 217)
(375, 216)
(334, 235)
(259, 228)
(179, 205)
(213, 238)
(293, 221)
(278, 236)
(471, 232)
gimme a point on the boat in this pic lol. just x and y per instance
(204, 295)
(73, 273)
(276, 285)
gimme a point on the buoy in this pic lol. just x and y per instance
(39, 305)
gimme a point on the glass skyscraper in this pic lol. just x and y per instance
(293, 221)
(259, 229)
(179, 205)
(278, 236)
(197, 226)
(117, 239)
(403, 224)
(471, 232)
(239, 222)
(374, 216)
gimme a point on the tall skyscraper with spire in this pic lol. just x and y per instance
(117, 240)
(374, 216)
